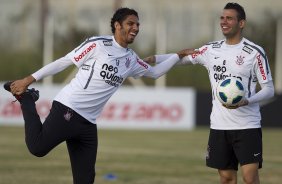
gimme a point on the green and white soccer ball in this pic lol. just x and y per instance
(230, 91)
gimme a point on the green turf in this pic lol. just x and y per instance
(134, 157)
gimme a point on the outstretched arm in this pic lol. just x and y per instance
(160, 69)
(156, 59)
(52, 68)
(169, 61)
(20, 86)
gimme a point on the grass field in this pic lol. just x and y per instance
(133, 157)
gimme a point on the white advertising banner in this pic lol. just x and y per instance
(129, 108)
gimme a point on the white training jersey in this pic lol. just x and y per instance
(103, 66)
(245, 61)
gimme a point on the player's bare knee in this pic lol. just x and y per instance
(251, 179)
(227, 177)
(227, 180)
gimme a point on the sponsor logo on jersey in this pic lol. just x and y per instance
(109, 74)
(85, 67)
(107, 43)
(222, 76)
(200, 52)
(219, 69)
(85, 52)
(216, 45)
(247, 49)
(240, 60)
(261, 69)
(220, 72)
(142, 63)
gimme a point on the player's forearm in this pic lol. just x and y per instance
(162, 57)
(265, 93)
(29, 80)
(156, 59)
(163, 67)
(52, 68)
(184, 56)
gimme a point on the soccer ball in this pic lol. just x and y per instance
(230, 91)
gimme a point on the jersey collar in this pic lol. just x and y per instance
(118, 45)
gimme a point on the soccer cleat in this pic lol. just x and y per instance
(32, 92)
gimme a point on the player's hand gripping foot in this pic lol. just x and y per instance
(31, 92)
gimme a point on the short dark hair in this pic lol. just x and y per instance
(241, 15)
(120, 15)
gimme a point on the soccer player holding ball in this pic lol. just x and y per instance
(235, 131)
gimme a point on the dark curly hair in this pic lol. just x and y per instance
(120, 15)
(241, 15)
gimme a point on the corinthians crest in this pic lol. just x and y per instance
(240, 60)
(68, 115)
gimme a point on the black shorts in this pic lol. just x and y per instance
(227, 148)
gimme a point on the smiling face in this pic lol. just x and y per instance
(127, 30)
(231, 27)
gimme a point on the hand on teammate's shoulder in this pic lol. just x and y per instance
(186, 52)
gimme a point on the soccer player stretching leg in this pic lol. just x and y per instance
(104, 63)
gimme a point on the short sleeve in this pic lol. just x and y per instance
(139, 68)
(200, 57)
